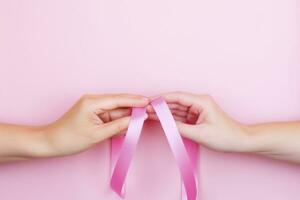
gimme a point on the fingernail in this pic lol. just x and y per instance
(146, 99)
(146, 116)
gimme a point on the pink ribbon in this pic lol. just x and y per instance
(184, 151)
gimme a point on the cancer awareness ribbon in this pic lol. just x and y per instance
(184, 151)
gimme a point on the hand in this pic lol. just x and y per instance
(200, 119)
(91, 120)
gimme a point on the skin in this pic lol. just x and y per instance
(200, 119)
(95, 118)
(91, 120)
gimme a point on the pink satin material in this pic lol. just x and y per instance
(184, 151)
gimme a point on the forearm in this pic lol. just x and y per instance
(277, 140)
(22, 142)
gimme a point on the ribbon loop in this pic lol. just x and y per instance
(174, 139)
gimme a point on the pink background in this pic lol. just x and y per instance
(244, 53)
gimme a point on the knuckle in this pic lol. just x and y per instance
(123, 94)
(208, 99)
(119, 127)
(179, 92)
(108, 95)
(85, 96)
(84, 100)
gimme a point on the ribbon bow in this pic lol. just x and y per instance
(183, 150)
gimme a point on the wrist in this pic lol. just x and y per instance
(39, 143)
(259, 142)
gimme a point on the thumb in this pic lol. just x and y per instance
(192, 132)
(112, 128)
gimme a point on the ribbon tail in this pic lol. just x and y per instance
(193, 151)
(127, 150)
(177, 146)
(115, 148)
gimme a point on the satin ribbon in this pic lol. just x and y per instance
(184, 151)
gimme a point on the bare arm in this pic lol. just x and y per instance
(280, 140)
(21, 142)
(91, 120)
(202, 120)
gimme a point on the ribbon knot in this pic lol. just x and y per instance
(186, 163)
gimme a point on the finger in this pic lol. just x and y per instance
(102, 103)
(179, 113)
(180, 119)
(177, 106)
(192, 118)
(186, 99)
(180, 98)
(188, 131)
(114, 114)
(197, 133)
(174, 106)
(114, 127)
(150, 109)
(118, 113)
(153, 116)
(115, 94)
